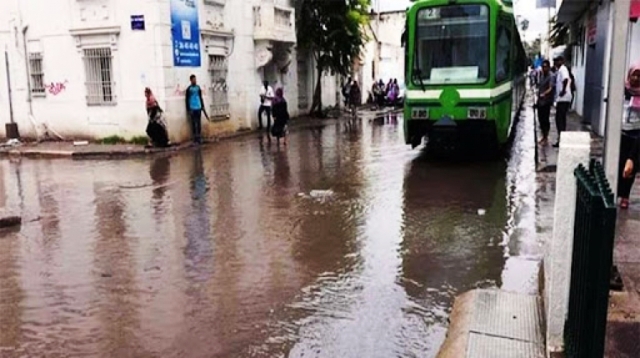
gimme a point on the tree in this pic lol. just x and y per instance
(333, 32)
(533, 48)
(559, 33)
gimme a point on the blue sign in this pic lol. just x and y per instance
(537, 62)
(185, 33)
(137, 22)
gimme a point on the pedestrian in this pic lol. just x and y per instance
(631, 169)
(396, 89)
(546, 89)
(266, 98)
(195, 108)
(533, 77)
(563, 96)
(376, 91)
(380, 95)
(574, 88)
(280, 116)
(355, 97)
(346, 87)
(630, 136)
(392, 94)
(156, 126)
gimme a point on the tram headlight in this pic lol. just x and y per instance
(477, 113)
(419, 113)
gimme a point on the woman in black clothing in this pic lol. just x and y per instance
(632, 162)
(156, 127)
(630, 135)
(280, 114)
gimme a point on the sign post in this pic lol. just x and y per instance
(548, 4)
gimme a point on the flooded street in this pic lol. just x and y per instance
(224, 252)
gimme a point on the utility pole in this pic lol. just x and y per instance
(6, 63)
(549, 32)
(11, 128)
(615, 97)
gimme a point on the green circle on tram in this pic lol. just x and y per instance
(450, 97)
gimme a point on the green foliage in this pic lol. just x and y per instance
(333, 31)
(139, 140)
(114, 139)
(533, 48)
(559, 33)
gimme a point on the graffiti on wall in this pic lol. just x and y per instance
(55, 88)
(180, 90)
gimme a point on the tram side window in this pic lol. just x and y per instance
(503, 51)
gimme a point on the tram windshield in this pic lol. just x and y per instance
(452, 45)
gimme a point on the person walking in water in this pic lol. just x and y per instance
(195, 108)
(266, 98)
(280, 116)
(355, 98)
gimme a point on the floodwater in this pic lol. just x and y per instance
(223, 252)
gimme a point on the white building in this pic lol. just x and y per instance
(88, 62)
(591, 25)
(383, 55)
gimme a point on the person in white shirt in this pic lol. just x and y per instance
(266, 96)
(563, 96)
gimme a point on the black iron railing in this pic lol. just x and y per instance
(595, 223)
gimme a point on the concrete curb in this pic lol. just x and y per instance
(488, 323)
(139, 151)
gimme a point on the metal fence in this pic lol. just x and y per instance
(595, 223)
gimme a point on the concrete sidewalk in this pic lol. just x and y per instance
(623, 323)
(496, 323)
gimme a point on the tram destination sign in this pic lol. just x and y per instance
(540, 4)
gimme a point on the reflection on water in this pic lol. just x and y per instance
(198, 251)
(218, 252)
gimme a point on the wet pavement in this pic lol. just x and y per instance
(223, 252)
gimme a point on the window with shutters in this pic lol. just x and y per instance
(37, 74)
(218, 91)
(99, 82)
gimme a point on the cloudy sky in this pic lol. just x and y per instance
(525, 8)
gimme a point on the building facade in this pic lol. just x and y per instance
(589, 53)
(78, 68)
(383, 55)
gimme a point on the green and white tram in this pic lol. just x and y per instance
(465, 70)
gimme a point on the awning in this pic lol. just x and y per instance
(635, 9)
(570, 10)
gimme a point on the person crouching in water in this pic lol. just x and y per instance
(280, 114)
(156, 127)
